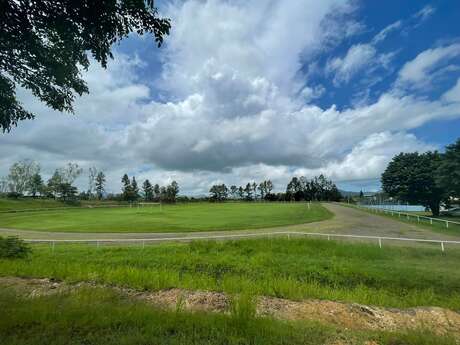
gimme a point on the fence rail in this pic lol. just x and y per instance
(408, 215)
(143, 241)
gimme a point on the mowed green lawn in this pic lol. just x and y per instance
(170, 218)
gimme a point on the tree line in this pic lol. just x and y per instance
(24, 178)
(431, 179)
(298, 189)
(150, 193)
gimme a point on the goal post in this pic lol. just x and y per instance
(149, 204)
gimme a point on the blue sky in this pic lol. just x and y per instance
(245, 91)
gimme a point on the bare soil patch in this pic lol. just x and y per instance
(347, 315)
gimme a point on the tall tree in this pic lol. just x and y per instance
(134, 190)
(100, 184)
(234, 191)
(35, 184)
(269, 186)
(254, 188)
(126, 188)
(156, 192)
(172, 191)
(92, 174)
(248, 191)
(20, 175)
(70, 172)
(448, 175)
(411, 177)
(54, 182)
(148, 190)
(44, 44)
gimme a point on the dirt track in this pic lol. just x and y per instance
(346, 220)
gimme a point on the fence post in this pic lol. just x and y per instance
(431, 221)
(447, 224)
(442, 246)
(328, 237)
(52, 247)
(418, 219)
(380, 242)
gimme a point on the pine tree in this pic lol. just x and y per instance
(126, 189)
(148, 190)
(134, 190)
(100, 183)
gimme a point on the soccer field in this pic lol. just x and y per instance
(168, 218)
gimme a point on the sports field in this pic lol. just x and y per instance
(168, 218)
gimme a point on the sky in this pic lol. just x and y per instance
(255, 90)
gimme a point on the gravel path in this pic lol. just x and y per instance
(346, 220)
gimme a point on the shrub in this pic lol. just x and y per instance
(13, 247)
(13, 195)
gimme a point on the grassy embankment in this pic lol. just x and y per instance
(102, 317)
(294, 269)
(168, 218)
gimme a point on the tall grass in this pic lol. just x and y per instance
(99, 316)
(295, 269)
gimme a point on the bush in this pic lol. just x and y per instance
(13, 247)
(13, 195)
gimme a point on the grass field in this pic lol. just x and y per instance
(170, 218)
(294, 269)
(102, 317)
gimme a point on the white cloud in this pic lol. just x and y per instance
(386, 31)
(420, 71)
(238, 108)
(358, 57)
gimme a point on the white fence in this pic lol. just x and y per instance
(288, 234)
(408, 216)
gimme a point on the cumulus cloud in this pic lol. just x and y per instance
(238, 105)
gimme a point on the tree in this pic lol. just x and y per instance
(262, 188)
(411, 177)
(172, 191)
(234, 191)
(241, 192)
(448, 175)
(35, 184)
(70, 172)
(20, 175)
(54, 182)
(248, 191)
(254, 188)
(219, 192)
(134, 190)
(92, 174)
(269, 187)
(66, 191)
(126, 188)
(100, 184)
(156, 191)
(148, 190)
(44, 45)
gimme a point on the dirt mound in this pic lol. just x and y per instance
(348, 315)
